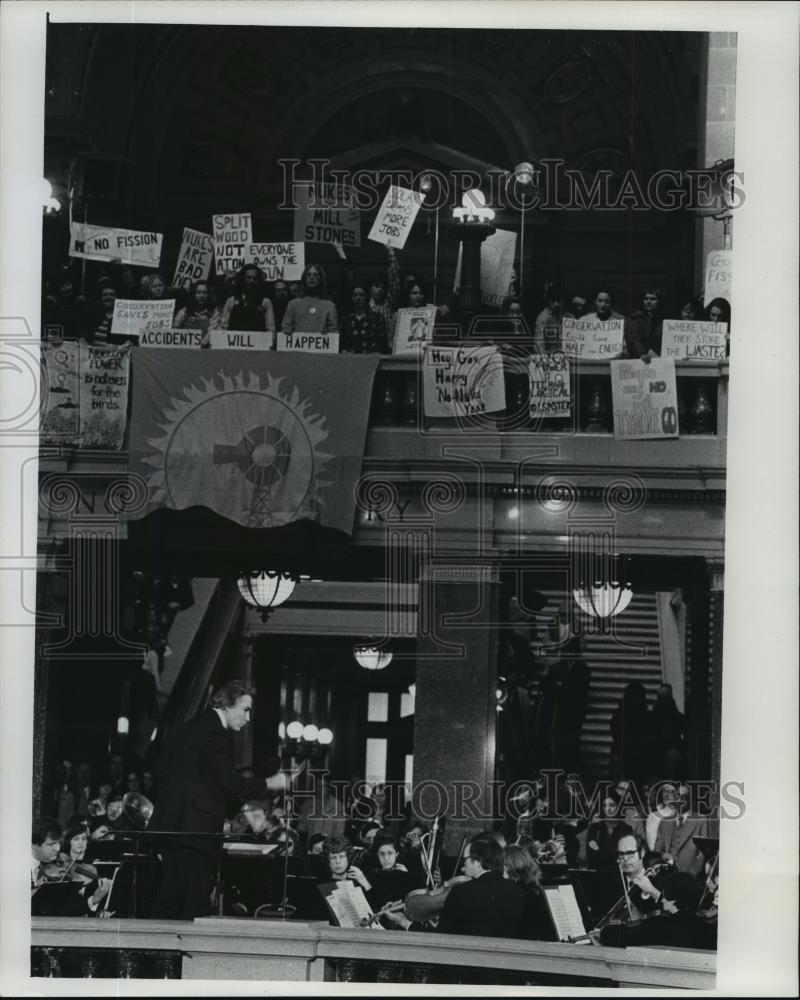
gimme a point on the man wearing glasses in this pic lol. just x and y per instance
(641, 884)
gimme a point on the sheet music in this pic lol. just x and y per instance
(565, 912)
(348, 904)
(244, 849)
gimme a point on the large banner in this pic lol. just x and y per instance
(85, 394)
(323, 215)
(232, 235)
(261, 439)
(278, 261)
(194, 259)
(462, 381)
(692, 340)
(395, 217)
(592, 338)
(645, 399)
(107, 244)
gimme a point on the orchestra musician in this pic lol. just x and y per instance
(48, 865)
(642, 892)
(674, 925)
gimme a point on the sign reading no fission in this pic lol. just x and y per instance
(232, 235)
(104, 243)
(645, 399)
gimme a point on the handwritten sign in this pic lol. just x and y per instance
(719, 276)
(60, 393)
(550, 390)
(462, 381)
(309, 343)
(413, 329)
(132, 316)
(171, 338)
(690, 340)
(241, 340)
(105, 243)
(396, 217)
(278, 261)
(324, 215)
(194, 259)
(645, 399)
(497, 266)
(592, 338)
(232, 235)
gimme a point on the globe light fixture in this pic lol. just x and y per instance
(325, 737)
(370, 657)
(310, 732)
(295, 730)
(266, 589)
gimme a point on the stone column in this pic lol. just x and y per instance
(716, 576)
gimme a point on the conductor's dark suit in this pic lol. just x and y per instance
(196, 777)
(489, 906)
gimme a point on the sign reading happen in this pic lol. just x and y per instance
(497, 266)
(132, 317)
(309, 343)
(550, 390)
(194, 259)
(324, 215)
(690, 340)
(413, 329)
(395, 218)
(645, 399)
(171, 338)
(278, 261)
(462, 381)
(232, 235)
(719, 276)
(592, 338)
(241, 340)
(104, 243)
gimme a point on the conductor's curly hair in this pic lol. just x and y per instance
(229, 693)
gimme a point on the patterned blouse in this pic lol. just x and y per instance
(365, 334)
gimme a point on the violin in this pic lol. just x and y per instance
(65, 869)
(422, 905)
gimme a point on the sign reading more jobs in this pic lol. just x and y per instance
(132, 317)
(395, 218)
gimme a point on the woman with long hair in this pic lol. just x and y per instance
(313, 312)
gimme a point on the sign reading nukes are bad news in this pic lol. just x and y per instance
(278, 261)
(462, 381)
(396, 217)
(550, 390)
(692, 340)
(592, 339)
(645, 399)
(194, 259)
(232, 235)
(134, 316)
(105, 243)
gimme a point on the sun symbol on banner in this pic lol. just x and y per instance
(247, 446)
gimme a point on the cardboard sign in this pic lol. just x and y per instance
(60, 393)
(550, 389)
(690, 340)
(241, 340)
(395, 217)
(592, 338)
(323, 215)
(232, 235)
(498, 252)
(194, 259)
(645, 399)
(133, 316)
(106, 243)
(309, 343)
(719, 276)
(413, 329)
(278, 261)
(171, 338)
(462, 381)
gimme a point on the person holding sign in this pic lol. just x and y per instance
(718, 311)
(314, 312)
(413, 297)
(547, 328)
(604, 306)
(643, 328)
(199, 313)
(248, 308)
(363, 330)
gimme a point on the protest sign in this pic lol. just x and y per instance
(550, 390)
(232, 235)
(645, 399)
(309, 343)
(60, 420)
(128, 246)
(194, 259)
(497, 266)
(241, 340)
(133, 316)
(462, 381)
(719, 276)
(278, 261)
(395, 217)
(171, 338)
(592, 338)
(413, 329)
(323, 215)
(690, 340)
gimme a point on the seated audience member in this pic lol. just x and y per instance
(280, 300)
(643, 327)
(248, 308)
(363, 330)
(666, 810)
(576, 308)
(520, 868)
(674, 925)
(547, 327)
(199, 312)
(314, 312)
(48, 865)
(603, 306)
(603, 835)
(390, 880)
(674, 839)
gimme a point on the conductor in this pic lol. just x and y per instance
(196, 777)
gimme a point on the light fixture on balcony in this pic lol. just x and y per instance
(473, 208)
(605, 598)
(370, 656)
(304, 740)
(266, 589)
